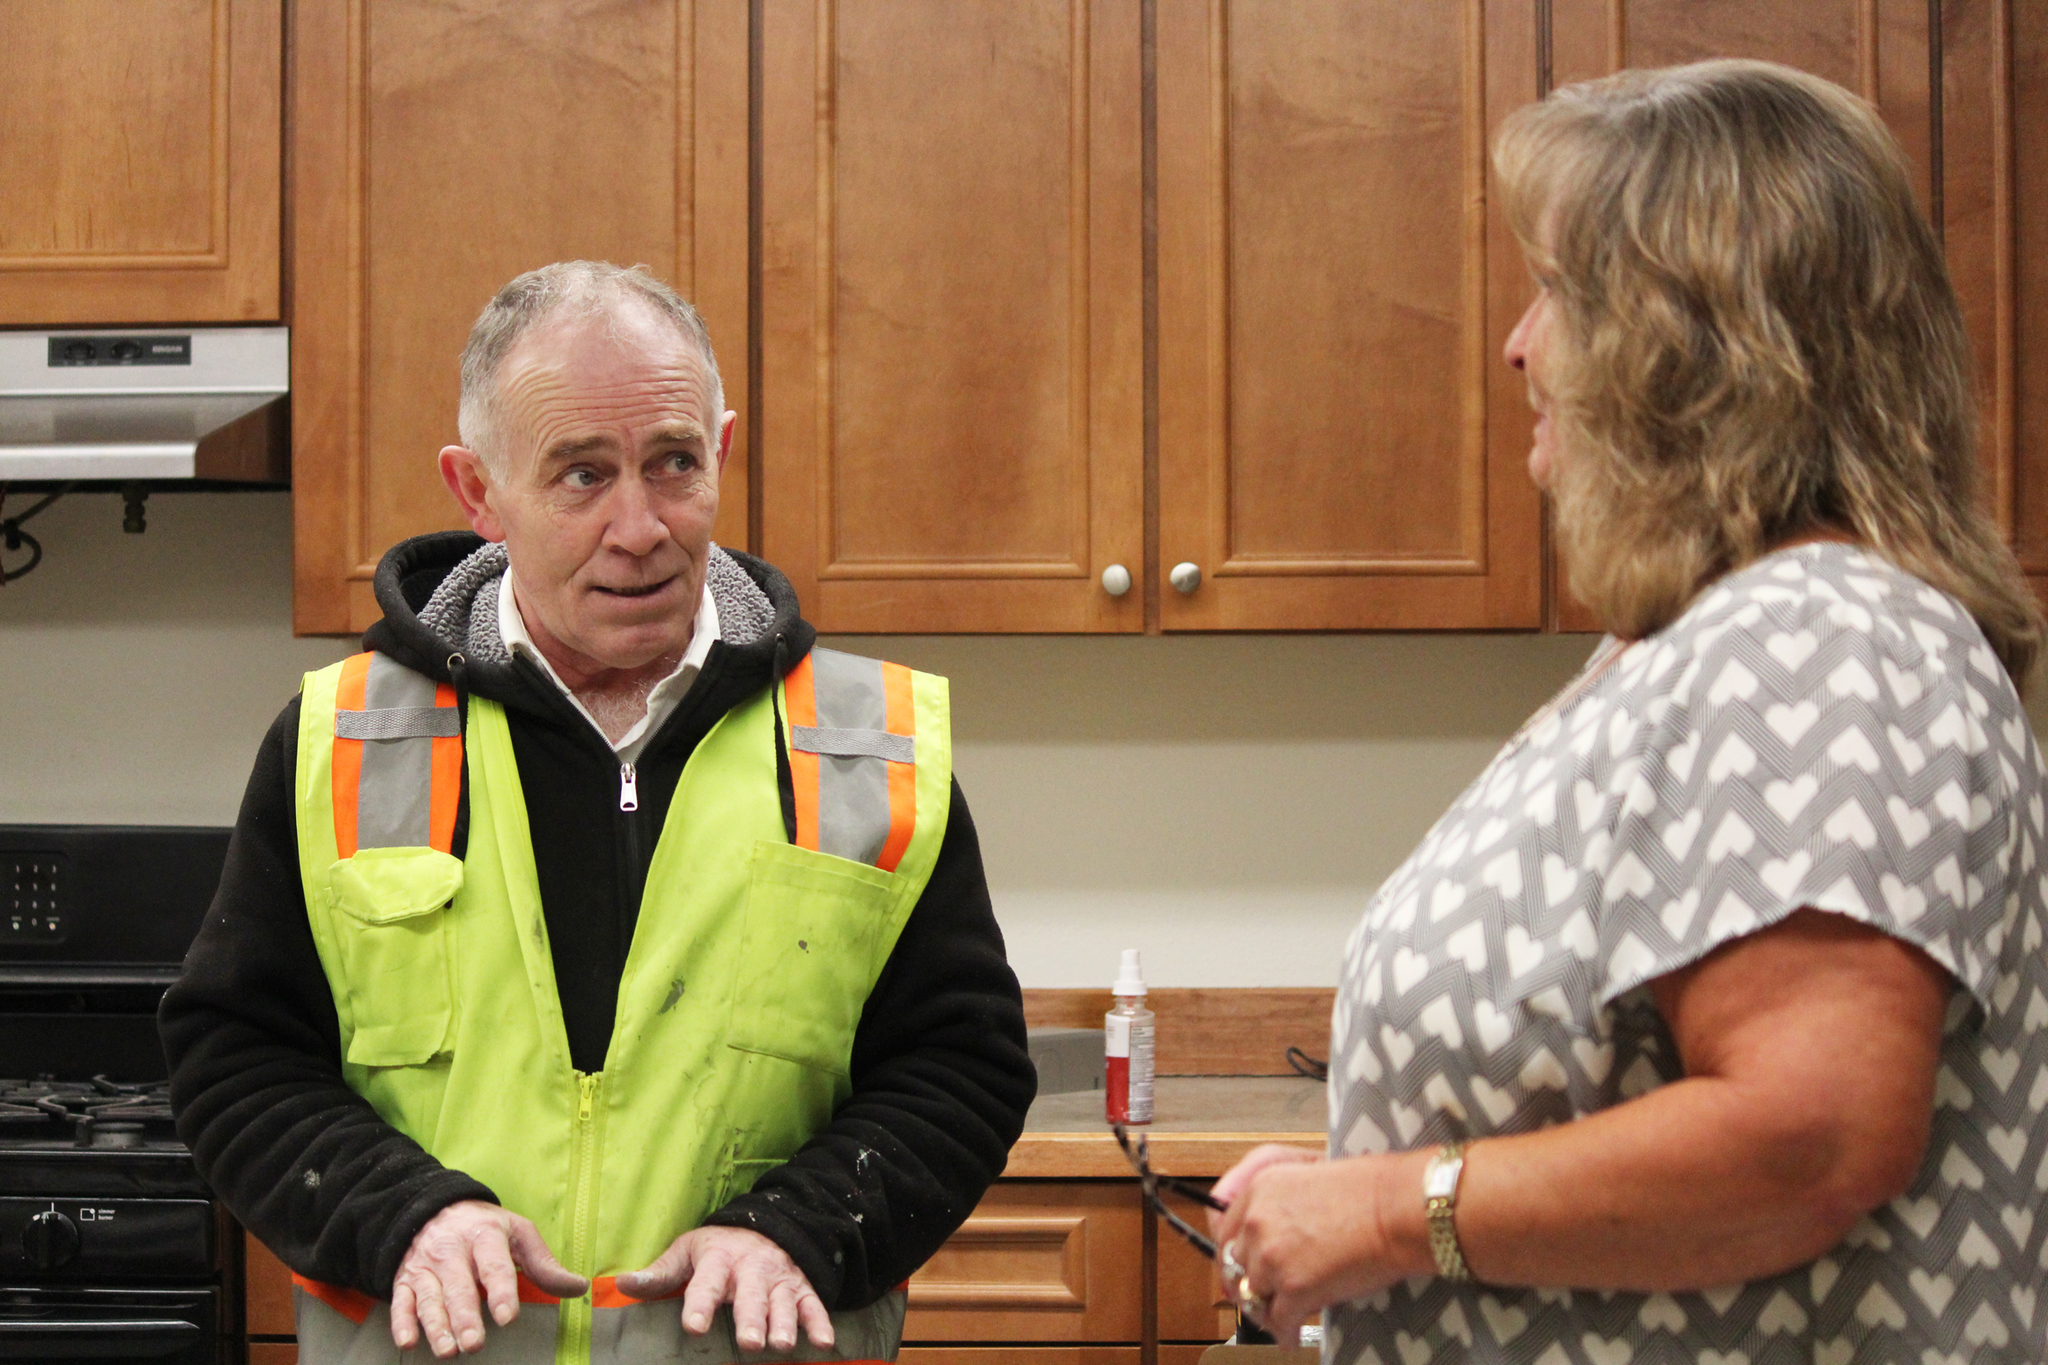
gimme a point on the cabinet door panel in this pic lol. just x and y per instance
(1333, 292)
(1995, 180)
(440, 149)
(2021, 328)
(1037, 1261)
(140, 160)
(1191, 1302)
(951, 291)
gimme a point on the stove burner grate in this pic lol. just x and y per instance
(97, 1112)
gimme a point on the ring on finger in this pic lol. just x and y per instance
(1233, 1269)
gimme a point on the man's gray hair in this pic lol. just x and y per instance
(580, 288)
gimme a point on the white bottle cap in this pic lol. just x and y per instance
(1129, 980)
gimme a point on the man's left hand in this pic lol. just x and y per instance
(770, 1297)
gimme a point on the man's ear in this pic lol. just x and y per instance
(725, 438)
(469, 479)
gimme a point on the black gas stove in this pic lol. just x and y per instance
(111, 1247)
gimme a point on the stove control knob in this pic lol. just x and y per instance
(50, 1240)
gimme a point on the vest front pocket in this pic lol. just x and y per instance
(807, 956)
(393, 935)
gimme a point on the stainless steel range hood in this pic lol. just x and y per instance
(146, 404)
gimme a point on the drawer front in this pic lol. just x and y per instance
(1039, 1260)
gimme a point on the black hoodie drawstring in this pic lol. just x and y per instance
(785, 782)
(458, 674)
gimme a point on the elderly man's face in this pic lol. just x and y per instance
(605, 488)
(1529, 350)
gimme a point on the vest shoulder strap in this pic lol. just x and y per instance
(397, 758)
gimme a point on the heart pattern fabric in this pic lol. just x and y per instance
(1818, 730)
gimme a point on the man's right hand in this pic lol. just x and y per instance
(465, 1246)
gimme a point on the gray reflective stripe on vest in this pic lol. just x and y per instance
(618, 1336)
(330, 1338)
(395, 797)
(650, 1331)
(816, 739)
(398, 722)
(850, 739)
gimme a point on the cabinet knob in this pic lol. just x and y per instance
(1185, 577)
(1116, 580)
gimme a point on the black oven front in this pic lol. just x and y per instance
(111, 1247)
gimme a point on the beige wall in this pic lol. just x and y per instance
(1224, 804)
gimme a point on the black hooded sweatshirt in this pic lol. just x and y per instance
(940, 1076)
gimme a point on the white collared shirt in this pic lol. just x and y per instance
(660, 702)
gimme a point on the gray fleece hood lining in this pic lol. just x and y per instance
(463, 612)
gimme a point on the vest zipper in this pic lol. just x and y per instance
(632, 879)
(585, 1167)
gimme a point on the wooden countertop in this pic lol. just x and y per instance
(1201, 1125)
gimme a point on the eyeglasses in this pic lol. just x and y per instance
(1151, 1183)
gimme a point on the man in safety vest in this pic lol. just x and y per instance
(592, 941)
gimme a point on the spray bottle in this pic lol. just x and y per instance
(1127, 1039)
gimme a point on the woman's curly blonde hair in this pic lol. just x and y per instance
(1756, 340)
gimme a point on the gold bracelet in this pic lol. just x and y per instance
(1440, 1203)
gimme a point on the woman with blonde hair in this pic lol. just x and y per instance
(1711, 1023)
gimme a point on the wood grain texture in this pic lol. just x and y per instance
(140, 160)
(1208, 1031)
(273, 1353)
(951, 289)
(1036, 1261)
(267, 1291)
(439, 150)
(1326, 316)
(1191, 1303)
(2028, 204)
(1981, 79)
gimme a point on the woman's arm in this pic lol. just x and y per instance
(1810, 1051)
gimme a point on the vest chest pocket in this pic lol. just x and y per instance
(807, 955)
(392, 930)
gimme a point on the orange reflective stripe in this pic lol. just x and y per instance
(352, 1304)
(901, 704)
(800, 699)
(447, 780)
(529, 1292)
(348, 756)
(605, 1293)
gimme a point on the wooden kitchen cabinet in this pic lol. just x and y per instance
(439, 149)
(1037, 1261)
(266, 1292)
(141, 161)
(1340, 446)
(952, 311)
(994, 359)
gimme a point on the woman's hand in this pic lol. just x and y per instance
(1311, 1232)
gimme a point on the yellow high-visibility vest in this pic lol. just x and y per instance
(750, 964)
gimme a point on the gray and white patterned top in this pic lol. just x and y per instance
(1819, 730)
